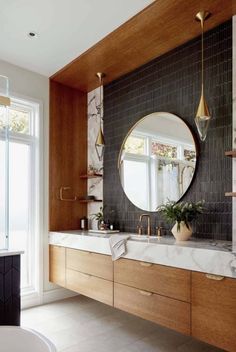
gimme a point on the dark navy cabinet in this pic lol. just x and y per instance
(10, 290)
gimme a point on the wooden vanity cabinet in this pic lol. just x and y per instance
(214, 310)
(160, 279)
(162, 310)
(57, 265)
(191, 303)
(90, 286)
(153, 292)
(91, 263)
(90, 274)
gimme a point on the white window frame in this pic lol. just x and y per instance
(34, 291)
(150, 159)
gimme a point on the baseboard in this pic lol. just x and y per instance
(34, 299)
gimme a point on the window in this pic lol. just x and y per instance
(189, 155)
(135, 145)
(163, 166)
(22, 197)
(164, 150)
(135, 173)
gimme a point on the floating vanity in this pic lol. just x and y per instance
(188, 287)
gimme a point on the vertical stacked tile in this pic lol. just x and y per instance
(172, 83)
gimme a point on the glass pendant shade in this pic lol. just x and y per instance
(202, 119)
(100, 144)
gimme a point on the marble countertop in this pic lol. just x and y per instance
(9, 252)
(208, 256)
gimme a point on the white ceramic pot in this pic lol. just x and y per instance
(184, 233)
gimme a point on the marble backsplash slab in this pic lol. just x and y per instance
(95, 185)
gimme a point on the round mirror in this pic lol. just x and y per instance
(157, 160)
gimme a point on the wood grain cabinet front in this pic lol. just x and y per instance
(162, 310)
(214, 310)
(163, 280)
(90, 263)
(57, 266)
(90, 286)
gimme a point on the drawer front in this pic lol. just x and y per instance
(163, 280)
(165, 311)
(91, 286)
(57, 260)
(214, 310)
(90, 263)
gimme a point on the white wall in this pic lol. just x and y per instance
(27, 84)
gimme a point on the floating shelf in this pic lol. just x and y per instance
(230, 194)
(231, 153)
(87, 176)
(89, 200)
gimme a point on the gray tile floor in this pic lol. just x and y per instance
(79, 324)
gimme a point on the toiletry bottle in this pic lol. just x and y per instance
(84, 223)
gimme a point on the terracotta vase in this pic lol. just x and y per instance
(184, 233)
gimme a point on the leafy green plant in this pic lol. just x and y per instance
(183, 211)
(99, 216)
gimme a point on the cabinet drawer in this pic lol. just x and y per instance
(90, 263)
(163, 280)
(214, 311)
(91, 286)
(57, 258)
(162, 310)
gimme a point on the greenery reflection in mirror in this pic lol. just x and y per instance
(157, 160)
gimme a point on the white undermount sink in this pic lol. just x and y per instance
(142, 237)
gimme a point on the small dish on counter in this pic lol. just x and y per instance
(106, 232)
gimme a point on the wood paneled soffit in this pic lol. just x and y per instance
(162, 26)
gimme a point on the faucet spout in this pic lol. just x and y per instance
(148, 222)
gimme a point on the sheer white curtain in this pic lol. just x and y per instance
(170, 182)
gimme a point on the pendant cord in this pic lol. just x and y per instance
(202, 25)
(100, 92)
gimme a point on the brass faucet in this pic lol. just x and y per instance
(148, 223)
(159, 232)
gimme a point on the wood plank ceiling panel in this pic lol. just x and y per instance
(162, 26)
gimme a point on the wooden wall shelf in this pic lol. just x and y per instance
(89, 200)
(231, 153)
(230, 194)
(87, 176)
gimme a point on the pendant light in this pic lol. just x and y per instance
(100, 141)
(203, 116)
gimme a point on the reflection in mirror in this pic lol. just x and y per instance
(157, 160)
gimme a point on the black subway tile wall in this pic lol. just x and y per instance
(172, 83)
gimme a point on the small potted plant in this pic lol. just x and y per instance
(99, 216)
(182, 214)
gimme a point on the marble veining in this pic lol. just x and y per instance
(214, 257)
(95, 185)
